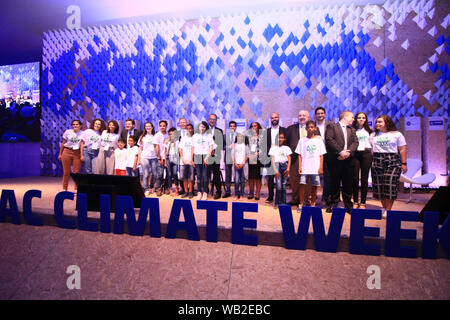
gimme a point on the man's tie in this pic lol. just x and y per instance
(303, 132)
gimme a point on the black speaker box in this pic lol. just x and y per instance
(439, 202)
(94, 185)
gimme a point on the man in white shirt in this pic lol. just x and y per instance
(272, 136)
(321, 123)
(216, 156)
(230, 137)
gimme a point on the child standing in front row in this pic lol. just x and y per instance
(281, 163)
(239, 156)
(310, 162)
(120, 161)
(132, 158)
(172, 161)
(187, 162)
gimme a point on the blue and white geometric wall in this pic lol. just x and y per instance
(248, 65)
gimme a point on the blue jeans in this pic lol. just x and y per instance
(90, 157)
(280, 197)
(132, 173)
(239, 182)
(172, 174)
(151, 167)
(202, 177)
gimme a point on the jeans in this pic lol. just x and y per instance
(132, 173)
(90, 158)
(151, 167)
(172, 174)
(239, 182)
(280, 196)
(202, 177)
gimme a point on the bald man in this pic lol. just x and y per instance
(294, 133)
(272, 139)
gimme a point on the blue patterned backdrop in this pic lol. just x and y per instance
(363, 58)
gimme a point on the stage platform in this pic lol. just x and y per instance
(269, 229)
(33, 259)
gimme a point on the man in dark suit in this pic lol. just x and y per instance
(272, 139)
(230, 137)
(341, 143)
(321, 123)
(293, 134)
(130, 131)
(216, 156)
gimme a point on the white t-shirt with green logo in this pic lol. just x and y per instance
(91, 138)
(310, 149)
(280, 154)
(363, 139)
(387, 142)
(73, 139)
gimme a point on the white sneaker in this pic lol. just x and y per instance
(147, 194)
(205, 196)
(384, 213)
(199, 195)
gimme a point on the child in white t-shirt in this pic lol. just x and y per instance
(281, 163)
(172, 160)
(132, 158)
(120, 161)
(239, 154)
(310, 162)
(187, 162)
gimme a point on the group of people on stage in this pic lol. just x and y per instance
(309, 154)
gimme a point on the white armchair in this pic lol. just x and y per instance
(414, 165)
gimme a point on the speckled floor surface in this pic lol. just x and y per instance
(34, 261)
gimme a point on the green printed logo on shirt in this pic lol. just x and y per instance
(383, 142)
(311, 149)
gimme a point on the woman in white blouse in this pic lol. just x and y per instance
(203, 145)
(389, 161)
(90, 144)
(362, 160)
(148, 156)
(108, 143)
(69, 152)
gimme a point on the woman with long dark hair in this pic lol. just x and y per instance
(108, 143)
(90, 144)
(389, 161)
(203, 145)
(255, 142)
(69, 152)
(147, 156)
(362, 160)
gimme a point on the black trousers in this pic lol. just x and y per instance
(216, 180)
(228, 176)
(362, 164)
(341, 171)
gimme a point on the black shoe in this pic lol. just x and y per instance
(293, 203)
(185, 195)
(217, 196)
(329, 210)
(269, 200)
(226, 195)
